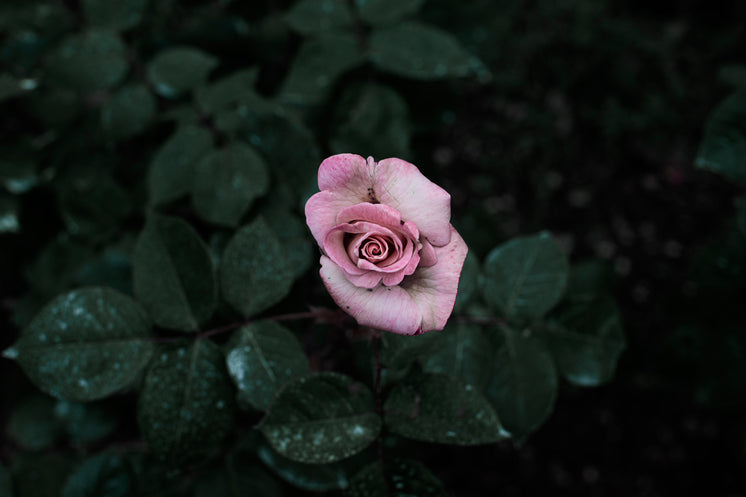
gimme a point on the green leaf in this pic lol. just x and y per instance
(420, 51)
(88, 61)
(183, 115)
(171, 170)
(120, 15)
(468, 283)
(585, 333)
(128, 113)
(9, 217)
(226, 182)
(261, 358)
(288, 144)
(55, 268)
(525, 277)
(398, 352)
(586, 341)
(238, 87)
(309, 17)
(85, 344)
(461, 351)
(186, 403)
(173, 274)
(319, 63)
(436, 408)
(255, 272)
(292, 233)
(41, 475)
(112, 268)
(177, 70)
(373, 120)
(103, 475)
(311, 477)
(56, 107)
(85, 423)
(403, 478)
(93, 206)
(321, 418)
(380, 12)
(11, 87)
(157, 477)
(6, 488)
(723, 148)
(18, 171)
(523, 386)
(237, 478)
(32, 425)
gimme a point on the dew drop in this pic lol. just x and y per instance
(11, 353)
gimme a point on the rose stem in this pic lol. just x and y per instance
(379, 409)
(223, 329)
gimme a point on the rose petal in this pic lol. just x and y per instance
(349, 179)
(433, 289)
(321, 213)
(427, 254)
(385, 308)
(402, 186)
(334, 247)
(368, 279)
(348, 173)
(423, 302)
(374, 213)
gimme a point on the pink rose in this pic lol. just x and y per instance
(391, 258)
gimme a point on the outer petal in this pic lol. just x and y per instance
(423, 302)
(433, 289)
(402, 186)
(321, 213)
(427, 254)
(347, 175)
(385, 308)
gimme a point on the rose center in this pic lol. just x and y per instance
(375, 249)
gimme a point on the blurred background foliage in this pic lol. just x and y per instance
(587, 119)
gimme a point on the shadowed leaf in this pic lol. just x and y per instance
(173, 275)
(525, 277)
(261, 358)
(255, 272)
(186, 403)
(436, 408)
(321, 418)
(85, 344)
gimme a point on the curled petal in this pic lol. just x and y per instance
(369, 279)
(374, 213)
(427, 254)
